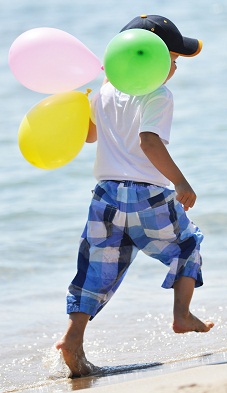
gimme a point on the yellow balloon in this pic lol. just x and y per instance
(54, 131)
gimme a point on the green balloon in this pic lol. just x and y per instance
(136, 61)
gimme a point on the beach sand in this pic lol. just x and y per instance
(203, 379)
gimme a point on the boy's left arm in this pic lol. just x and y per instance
(159, 156)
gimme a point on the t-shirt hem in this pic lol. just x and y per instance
(123, 178)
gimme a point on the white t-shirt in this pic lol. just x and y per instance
(120, 118)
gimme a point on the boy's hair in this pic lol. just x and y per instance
(168, 32)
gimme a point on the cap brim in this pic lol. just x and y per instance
(190, 47)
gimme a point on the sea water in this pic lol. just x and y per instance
(42, 213)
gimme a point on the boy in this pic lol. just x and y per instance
(132, 209)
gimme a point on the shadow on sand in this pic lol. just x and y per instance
(92, 379)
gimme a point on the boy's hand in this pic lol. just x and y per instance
(185, 194)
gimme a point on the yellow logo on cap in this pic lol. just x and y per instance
(143, 16)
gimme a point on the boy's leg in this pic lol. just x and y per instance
(174, 240)
(71, 345)
(183, 320)
(102, 264)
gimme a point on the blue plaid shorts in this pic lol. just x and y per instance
(125, 217)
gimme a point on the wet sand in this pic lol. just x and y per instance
(203, 379)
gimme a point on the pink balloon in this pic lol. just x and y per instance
(51, 61)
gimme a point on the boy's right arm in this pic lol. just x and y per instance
(92, 133)
(159, 156)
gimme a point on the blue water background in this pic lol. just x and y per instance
(42, 213)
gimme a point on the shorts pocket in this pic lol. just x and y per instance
(158, 223)
(100, 222)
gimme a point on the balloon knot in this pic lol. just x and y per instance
(88, 92)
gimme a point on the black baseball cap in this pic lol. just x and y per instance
(168, 32)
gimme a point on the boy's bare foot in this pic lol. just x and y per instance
(184, 321)
(190, 323)
(75, 358)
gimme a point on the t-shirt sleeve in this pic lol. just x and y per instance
(92, 112)
(156, 116)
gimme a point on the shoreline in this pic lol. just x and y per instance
(204, 374)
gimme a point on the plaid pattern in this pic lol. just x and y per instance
(123, 219)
